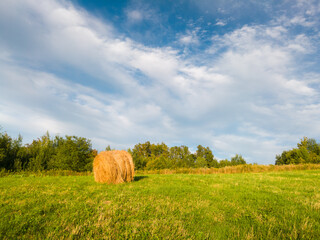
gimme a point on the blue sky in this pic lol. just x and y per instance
(237, 76)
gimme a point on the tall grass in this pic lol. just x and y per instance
(4, 173)
(245, 168)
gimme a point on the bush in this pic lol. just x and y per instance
(307, 151)
(9, 150)
(69, 153)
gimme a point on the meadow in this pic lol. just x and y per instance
(265, 205)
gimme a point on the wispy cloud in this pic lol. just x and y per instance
(138, 12)
(189, 38)
(135, 16)
(249, 95)
(221, 23)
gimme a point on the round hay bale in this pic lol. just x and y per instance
(125, 162)
(106, 169)
(113, 167)
(131, 165)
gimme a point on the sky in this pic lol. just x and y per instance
(238, 76)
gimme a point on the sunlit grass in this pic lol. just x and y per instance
(244, 168)
(271, 205)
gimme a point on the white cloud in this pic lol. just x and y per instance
(189, 38)
(221, 23)
(261, 151)
(276, 32)
(244, 97)
(301, 14)
(33, 102)
(134, 16)
(138, 12)
(299, 87)
(300, 20)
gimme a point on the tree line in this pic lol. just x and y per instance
(76, 154)
(46, 153)
(307, 151)
(159, 156)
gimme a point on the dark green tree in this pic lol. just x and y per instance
(72, 153)
(201, 162)
(9, 149)
(224, 163)
(237, 160)
(108, 148)
(207, 154)
(160, 162)
(180, 157)
(40, 152)
(307, 151)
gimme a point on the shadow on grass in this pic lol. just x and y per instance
(138, 178)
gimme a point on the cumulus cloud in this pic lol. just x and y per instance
(247, 96)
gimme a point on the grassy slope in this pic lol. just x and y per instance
(259, 206)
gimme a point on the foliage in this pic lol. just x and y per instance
(72, 153)
(69, 153)
(307, 151)
(224, 163)
(108, 148)
(41, 152)
(159, 156)
(205, 157)
(76, 154)
(10, 152)
(237, 160)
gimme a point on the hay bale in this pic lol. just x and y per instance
(131, 165)
(106, 169)
(113, 167)
(125, 163)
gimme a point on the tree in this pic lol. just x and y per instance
(143, 153)
(308, 151)
(237, 160)
(310, 144)
(224, 163)
(140, 154)
(201, 162)
(73, 153)
(179, 157)
(159, 150)
(108, 148)
(40, 152)
(157, 163)
(9, 149)
(207, 154)
(173, 157)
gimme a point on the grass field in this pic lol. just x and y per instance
(270, 205)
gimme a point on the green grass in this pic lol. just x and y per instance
(273, 205)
